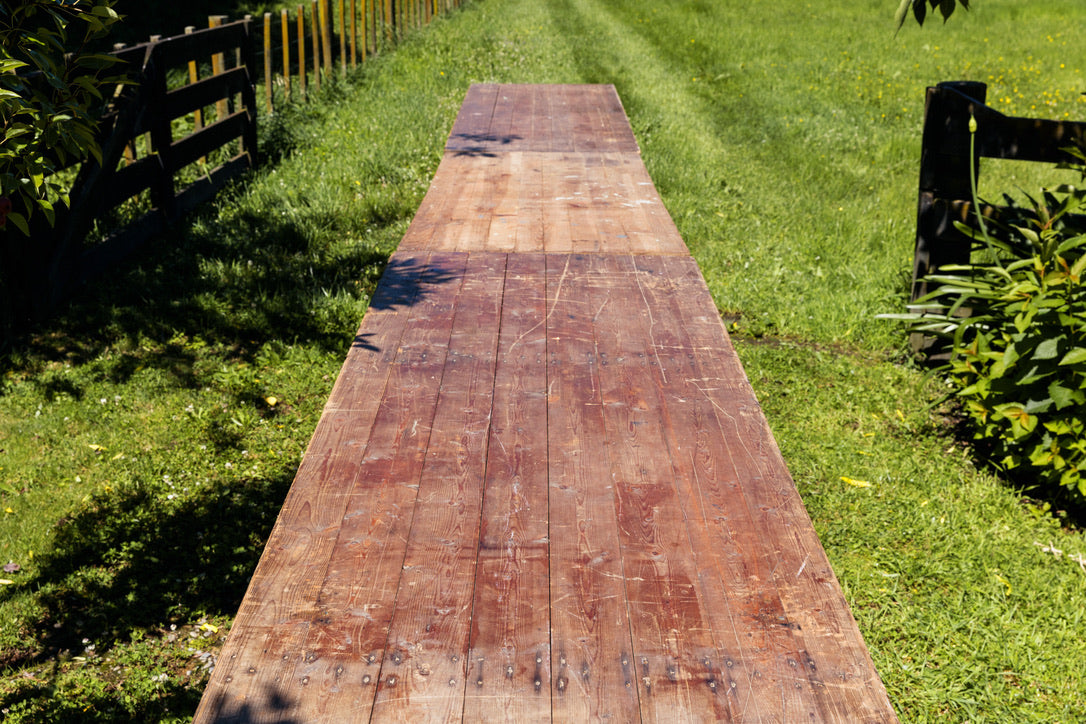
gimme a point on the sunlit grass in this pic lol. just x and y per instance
(784, 138)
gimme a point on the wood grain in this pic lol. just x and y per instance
(592, 649)
(509, 652)
(542, 487)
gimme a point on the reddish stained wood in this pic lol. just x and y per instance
(530, 115)
(758, 655)
(542, 486)
(552, 202)
(673, 642)
(509, 654)
(424, 669)
(557, 235)
(542, 168)
(826, 661)
(511, 100)
(502, 232)
(593, 661)
(345, 646)
(473, 119)
(530, 218)
(570, 118)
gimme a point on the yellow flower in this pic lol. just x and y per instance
(856, 483)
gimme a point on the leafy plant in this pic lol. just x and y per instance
(920, 9)
(49, 98)
(1016, 320)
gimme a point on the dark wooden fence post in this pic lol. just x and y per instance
(248, 93)
(944, 173)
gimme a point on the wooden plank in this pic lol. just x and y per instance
(473, 120)
(202, 142)
(132, 179)
(523, 123)
(180, 49)
(420, 232)
(554, 202)
(474, 211)
(673, 641)
(756, 650)
(505, 203)
(591, 646)
(346, 647)
(509, 661)
(558, 192)
(196, 95)
(512, 100)
(204, 189)
(530, 221)
(578, 118)
(826, 659)
(425, 665)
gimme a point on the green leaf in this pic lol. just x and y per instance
(1005, 362)
(104, 11)
(1049, 348)
(20, 222)
(1035, 374)
(1034, 407)
(1074, 357)
(1059, 427)
(1079, 267)
(902, 13)
(920, 11)
(1064, 396)
(47, 209)
(10, 65)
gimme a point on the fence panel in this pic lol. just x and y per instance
(946, 161)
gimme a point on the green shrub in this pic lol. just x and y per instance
(49, 99)
(1016, 323)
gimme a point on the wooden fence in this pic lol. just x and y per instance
(188, 119)
(945, 193)
(339, 35)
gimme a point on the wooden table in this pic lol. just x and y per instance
(542, 488)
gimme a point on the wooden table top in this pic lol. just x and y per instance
(542, 488)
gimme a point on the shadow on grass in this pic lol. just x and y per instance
(127, 559)
(236, 286)
(104, 707)
(131, 561)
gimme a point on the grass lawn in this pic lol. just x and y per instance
(148, 436)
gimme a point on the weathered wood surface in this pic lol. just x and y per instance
(542, 168)
(542, 489)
